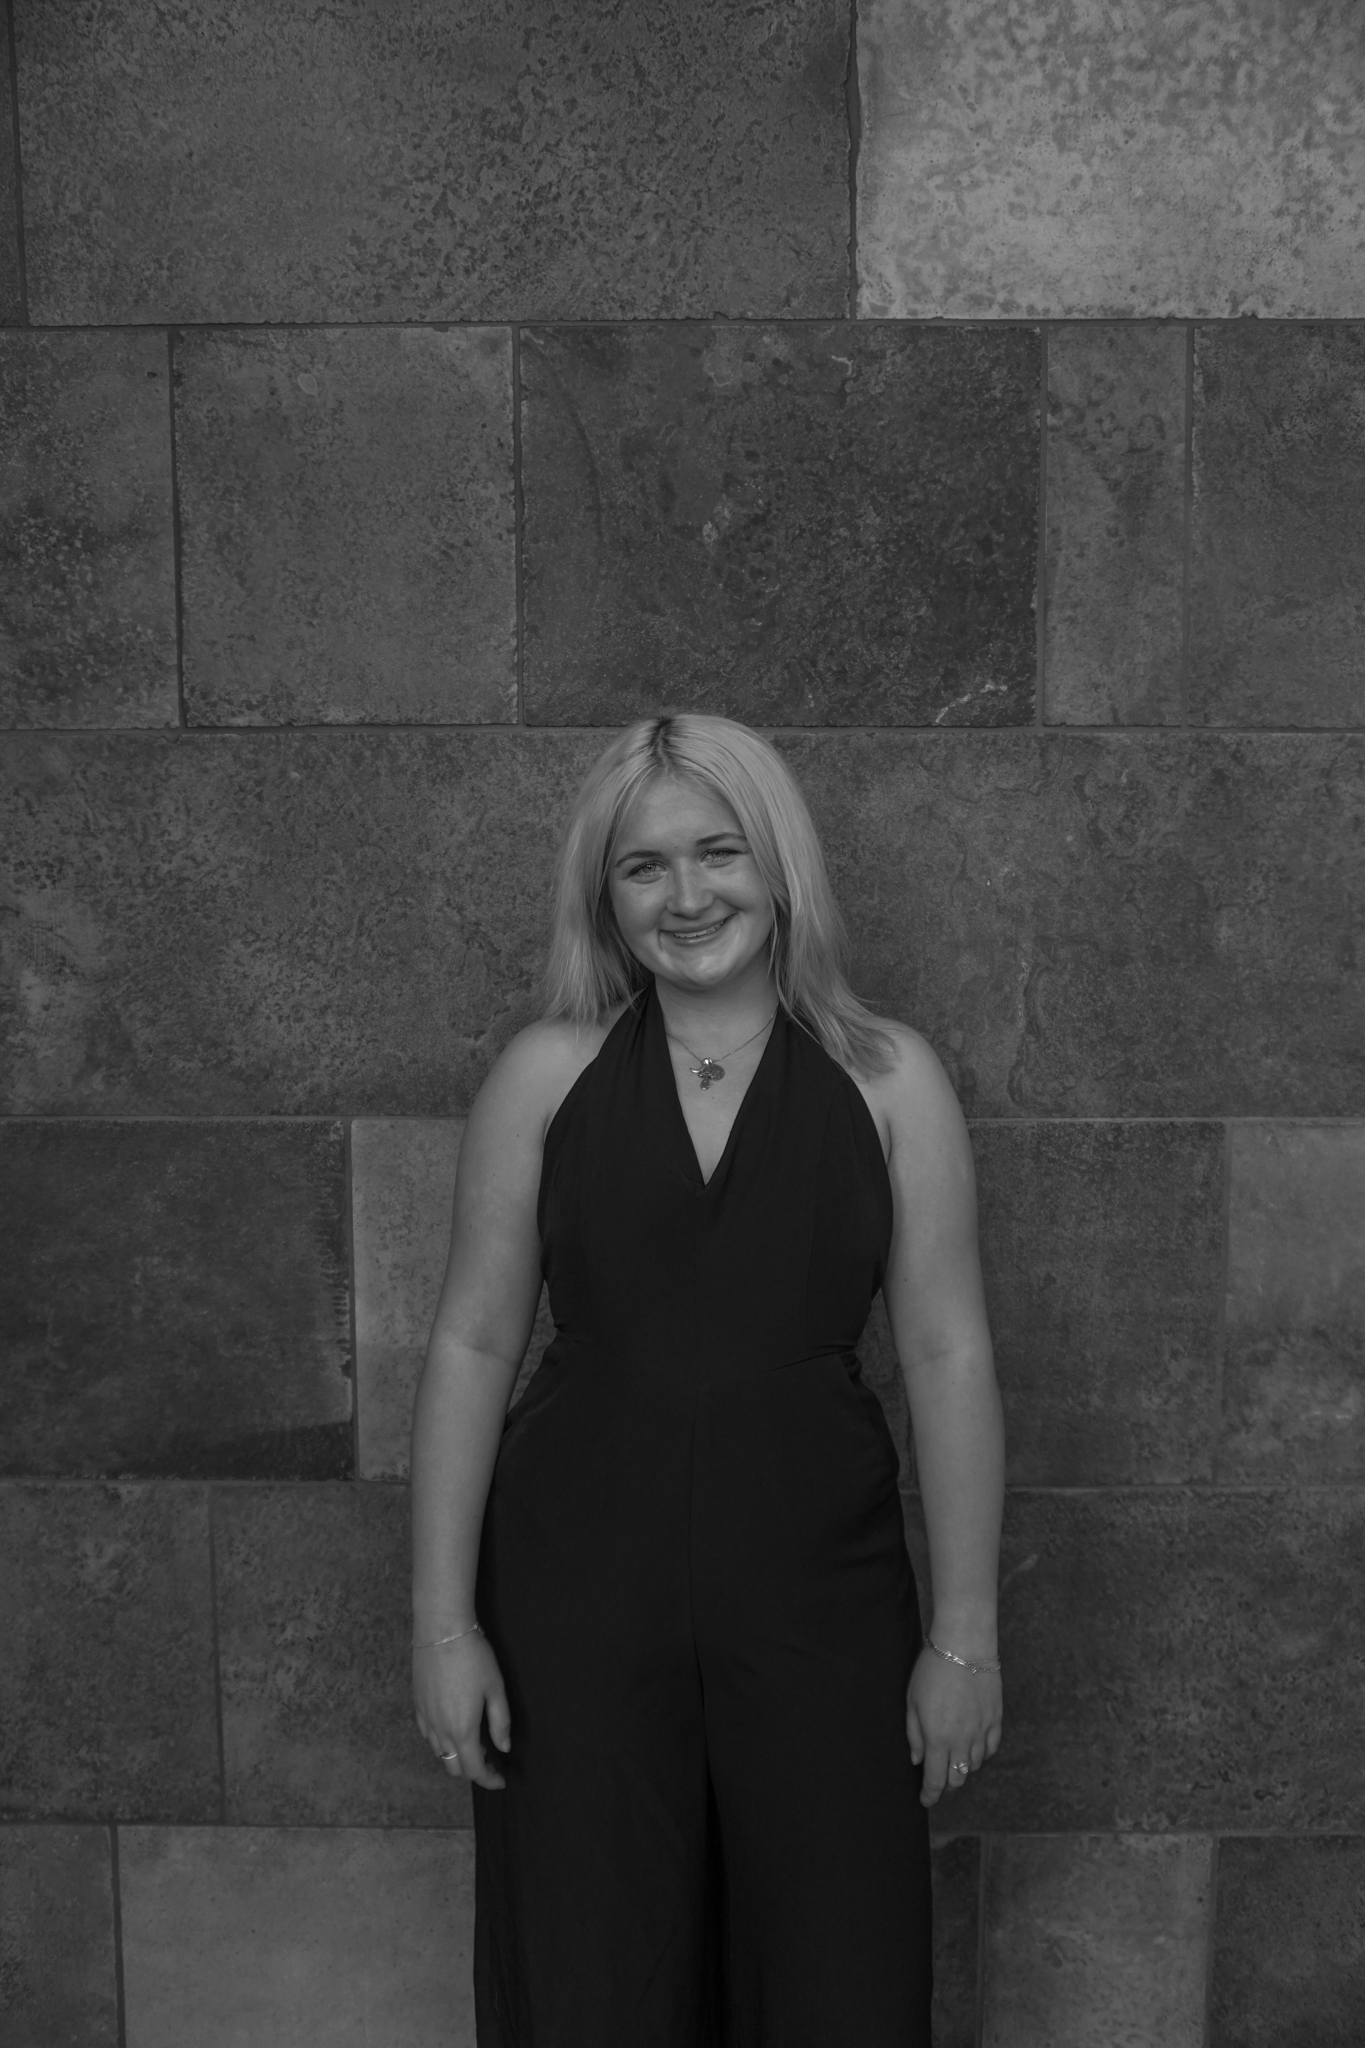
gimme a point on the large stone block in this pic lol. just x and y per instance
(11, 270)
(287, 922)
(1083, 924)
(57, 1984)
(1294, 1369)
(275, 1935)
(1069, 162)
(793, 525)
(1086, 925)
(1102, 1255)
(957, 1939)
(1289, 1943)
(174, 1301)
(1113, 616)
(437, 161)
(1165, 1653)
(314, 1632)
(87, 556)
(1277, 590)
(106, 1685)
(1096, 1938)
(402, 1179)
(347, 526)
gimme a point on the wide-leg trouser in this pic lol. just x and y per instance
(711, 1832)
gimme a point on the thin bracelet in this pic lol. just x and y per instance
(460, 1634)
(949, 1658)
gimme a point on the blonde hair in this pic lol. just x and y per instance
(590, 967)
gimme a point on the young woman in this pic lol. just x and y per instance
(664, 1615)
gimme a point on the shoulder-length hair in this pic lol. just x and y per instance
(590, 967)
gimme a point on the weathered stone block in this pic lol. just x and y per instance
(106, 1685)
(87, 562)
(402, 1180)
(831, 525)
(279, 922)
(1294, 1369)
(1136, 924)
(283, 1934)
(957, 1919)
(57, 1938)
(1066, 162)
(1153, 1642)
(1102, 1256)
(1084, 925)
(11, 275)
(1277, 590)
(435, 161)
(347, 526)
(1113, 616)
(314, 1633)
(174, 1300)
(1289, 1943)
(1094, 1938)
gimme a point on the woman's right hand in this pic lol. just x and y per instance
(453, 1688)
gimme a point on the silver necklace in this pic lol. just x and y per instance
(708, 1071)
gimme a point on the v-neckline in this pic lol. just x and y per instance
(689, 1146)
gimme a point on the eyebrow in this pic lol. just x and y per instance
(654, 853)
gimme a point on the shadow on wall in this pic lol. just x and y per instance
(393, 404)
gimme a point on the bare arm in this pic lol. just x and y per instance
(482, 1325)
(938, 1320)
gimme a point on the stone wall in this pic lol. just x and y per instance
(396, 396)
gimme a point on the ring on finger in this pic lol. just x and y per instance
(448, 1756)
(964, 1768)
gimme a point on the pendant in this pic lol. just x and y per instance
(708, 1071)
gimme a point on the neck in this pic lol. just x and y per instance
(709, 1021)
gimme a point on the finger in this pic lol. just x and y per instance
(915, 1731)
(477, 1768)
(993, 1739)
(935, 1772)
(500, 1720)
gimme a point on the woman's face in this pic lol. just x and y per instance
(688, 897)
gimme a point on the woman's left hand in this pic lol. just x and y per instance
(952, 1717)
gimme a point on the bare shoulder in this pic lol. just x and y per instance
(913, 1102)
(535, 1071)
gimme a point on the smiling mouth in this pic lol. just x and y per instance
(694, 938)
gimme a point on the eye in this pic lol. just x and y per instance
(643, 867)
(724, 852)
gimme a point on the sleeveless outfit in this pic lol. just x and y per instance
(694, 1574)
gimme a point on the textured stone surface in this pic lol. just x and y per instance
(830, 525)
(1289, 1944)
(347, 526)
(957, 1919)
(87, 569)
(11, 281)
(1165, 1653)
(1277, 595)
(434, 161)
(1143, 924)
(57, 1938)
(314, 1640)
(173, 1300)
(1294, 1370)
(106, 1685)
(1113, 621)
(1093, 1938)
(287, 922)
(402, 1180)
(275, 1935)
(1071, 162)
(1102, 1254)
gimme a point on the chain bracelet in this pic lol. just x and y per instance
(441, 1641)
(949, 1658)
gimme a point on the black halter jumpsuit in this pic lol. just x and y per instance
(693, 1571)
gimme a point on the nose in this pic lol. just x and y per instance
(689, 889)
